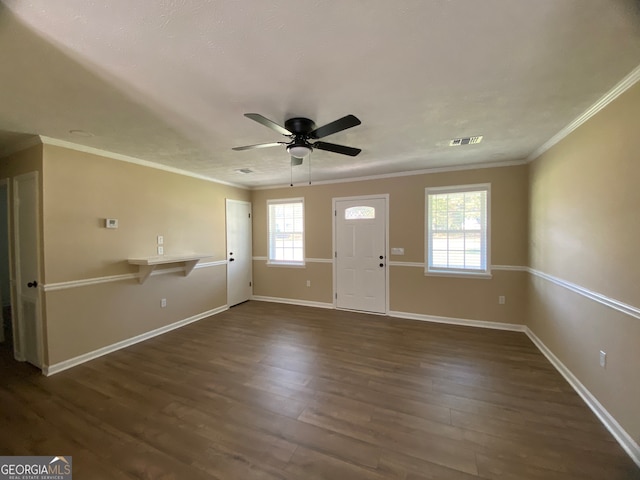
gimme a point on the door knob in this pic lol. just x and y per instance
(33, 284)
(382, 264)
(232, 259)
(381, 257)
(230, 253)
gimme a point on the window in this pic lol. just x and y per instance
(286, 231)
(457, 230)
(360, 213)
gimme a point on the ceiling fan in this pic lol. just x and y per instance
(301, 131)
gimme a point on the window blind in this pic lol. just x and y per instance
(286, 231)
(457, 229)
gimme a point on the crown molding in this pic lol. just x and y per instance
(125, 158)
(410, 173)
(627, 82)
(621, 87)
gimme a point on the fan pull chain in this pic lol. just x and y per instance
(309, 168)
(291, 167)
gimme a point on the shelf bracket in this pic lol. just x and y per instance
(144, 272)
(189, 266)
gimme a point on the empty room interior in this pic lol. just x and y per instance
(310, 240)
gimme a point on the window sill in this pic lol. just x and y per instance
(444, 273)
(286, 264)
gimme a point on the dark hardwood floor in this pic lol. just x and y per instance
(268, 391)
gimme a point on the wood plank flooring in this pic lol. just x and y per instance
(269, 391)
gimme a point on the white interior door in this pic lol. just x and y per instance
(29, 328)
(239, 252)
(361, 254)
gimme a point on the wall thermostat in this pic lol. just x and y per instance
(111, 222)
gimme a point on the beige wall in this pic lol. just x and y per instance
(24, 161)
(585, 229)
(84, 319)
(80, 191)
(410, 290)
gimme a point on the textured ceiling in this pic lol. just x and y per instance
(169, 81)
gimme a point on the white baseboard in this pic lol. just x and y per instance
(292, 301)
(625, 440)
(622, 437)
(72, 362)
(515, 327)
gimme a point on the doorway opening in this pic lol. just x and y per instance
(6, 317)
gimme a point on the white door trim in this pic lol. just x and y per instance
(5, 183)
(19, 340)
(382, 196)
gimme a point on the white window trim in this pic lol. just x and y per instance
(452, 272)
(286, 263)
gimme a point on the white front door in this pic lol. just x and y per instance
(361, 254)
(239, 252)
(29, 329)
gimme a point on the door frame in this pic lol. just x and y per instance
(7, 185)
(381, 196)
(17, 315)
(226, 242)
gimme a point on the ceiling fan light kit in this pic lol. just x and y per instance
(298, 151)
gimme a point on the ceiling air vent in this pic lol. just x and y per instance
(465, 141)
(244, 170)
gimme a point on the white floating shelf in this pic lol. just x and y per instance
(148, 264)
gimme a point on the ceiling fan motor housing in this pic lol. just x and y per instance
(300, 126)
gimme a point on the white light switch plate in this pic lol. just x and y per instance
(160, 250)
(397, 251)
(160, 240)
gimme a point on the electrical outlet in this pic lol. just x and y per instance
(160, 240)
(502, 299)
(603, 359)
(160, 250)
(163, 303)
(308, 283)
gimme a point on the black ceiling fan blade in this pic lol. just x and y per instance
(335, 127)
(256, 117)
(259, 145)
(295, 161)
(332, 147)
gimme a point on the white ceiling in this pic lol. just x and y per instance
(169, 81)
